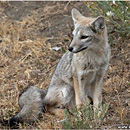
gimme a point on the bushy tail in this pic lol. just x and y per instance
(27, 114)
(31, 104)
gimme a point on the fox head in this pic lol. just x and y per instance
(88, 32)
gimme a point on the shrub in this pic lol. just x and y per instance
(117, 14)
(85, 117)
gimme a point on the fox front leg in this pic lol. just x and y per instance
(97, 94)
(76, 89)
(80, 95)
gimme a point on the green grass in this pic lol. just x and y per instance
(117, 15)
(84, 117)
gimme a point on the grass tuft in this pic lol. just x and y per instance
(84, 117)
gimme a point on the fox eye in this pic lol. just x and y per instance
(83, 37)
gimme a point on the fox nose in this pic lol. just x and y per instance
(70, 49)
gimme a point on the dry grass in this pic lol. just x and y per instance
(27, 59)
(116, 88)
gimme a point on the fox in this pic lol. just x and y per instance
(79, 73)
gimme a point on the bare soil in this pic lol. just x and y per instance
(28, 30)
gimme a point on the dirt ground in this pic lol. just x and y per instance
(28, 31)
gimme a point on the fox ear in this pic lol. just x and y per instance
(76, 15)
(98, 24)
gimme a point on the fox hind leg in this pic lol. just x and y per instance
(58, 98)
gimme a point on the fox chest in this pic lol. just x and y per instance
(85, 71)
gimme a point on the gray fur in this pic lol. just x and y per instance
(78, 74)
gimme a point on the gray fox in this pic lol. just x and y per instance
(79, 73)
